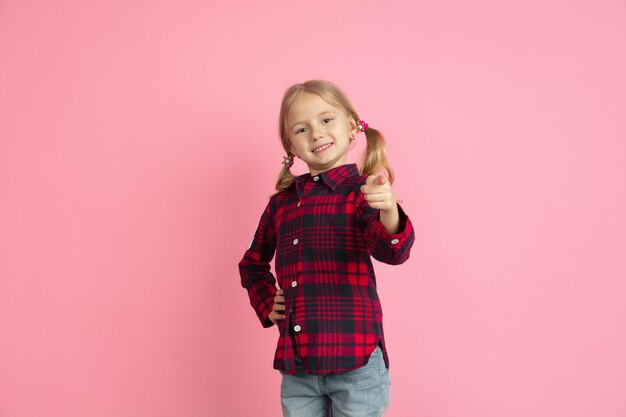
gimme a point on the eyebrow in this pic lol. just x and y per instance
(324, 112)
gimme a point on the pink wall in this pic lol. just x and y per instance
(138, 146)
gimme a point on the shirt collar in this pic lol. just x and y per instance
(332, 177)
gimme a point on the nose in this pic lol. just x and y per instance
(316, 132)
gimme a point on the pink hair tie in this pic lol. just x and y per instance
(362, 125)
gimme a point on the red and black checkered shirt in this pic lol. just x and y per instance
(323, 232)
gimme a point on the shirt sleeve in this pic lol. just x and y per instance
(254, 267)
(392, 249)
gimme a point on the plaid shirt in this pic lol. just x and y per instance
(323, 232)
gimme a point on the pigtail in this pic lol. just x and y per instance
(375, 157)
(285, 178)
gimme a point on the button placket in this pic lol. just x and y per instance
(297, 254)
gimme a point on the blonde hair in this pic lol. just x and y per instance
(375, 157)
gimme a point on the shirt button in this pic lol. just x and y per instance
(393, 242)
(294, 284)
(316, 178)
(297, 328)
(295, 241)
(298, 204)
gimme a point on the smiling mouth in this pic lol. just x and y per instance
(321, 148)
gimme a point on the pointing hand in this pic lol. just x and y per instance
(378, 193)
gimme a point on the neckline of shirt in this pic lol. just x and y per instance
(331, 177)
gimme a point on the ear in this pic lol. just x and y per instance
(354, 127)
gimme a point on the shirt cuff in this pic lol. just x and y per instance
(396, 239)
(263, 304)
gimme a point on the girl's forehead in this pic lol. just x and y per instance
(309, 104)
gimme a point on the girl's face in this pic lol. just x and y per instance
(319, 132)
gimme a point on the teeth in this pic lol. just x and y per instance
(322, 147)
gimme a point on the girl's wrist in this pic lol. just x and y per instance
(390, 218)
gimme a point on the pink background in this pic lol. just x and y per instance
(138, 146)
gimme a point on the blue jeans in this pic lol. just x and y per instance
(362, 392)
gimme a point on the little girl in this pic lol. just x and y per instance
(323, 226)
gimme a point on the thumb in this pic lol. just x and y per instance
(371, 179)
(380, 180)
